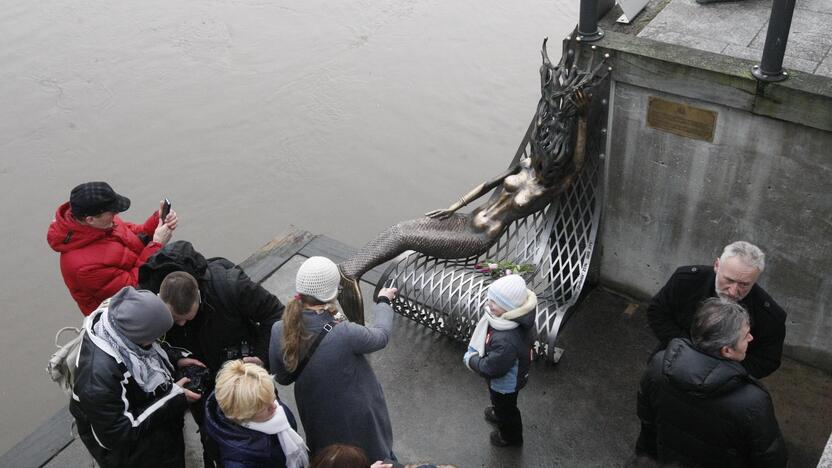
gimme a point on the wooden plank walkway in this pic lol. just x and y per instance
(36, 449)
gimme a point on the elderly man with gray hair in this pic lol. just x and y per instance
(733, 277)
(697, 404)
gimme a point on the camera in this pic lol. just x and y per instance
(200, 378)
(238, 351)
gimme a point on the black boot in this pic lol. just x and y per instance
(490, 416)
(497, 440)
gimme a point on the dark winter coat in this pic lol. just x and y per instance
(338, 396)
(241, 447)
(97, 263)
(119, 423)
(234, 309)
(700, 410)
(507, 356)
(671, 311)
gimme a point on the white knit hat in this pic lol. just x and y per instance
(318, 277)
(509, 292)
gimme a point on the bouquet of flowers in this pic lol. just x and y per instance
(504, 267)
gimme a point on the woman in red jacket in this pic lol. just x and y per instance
(101, 253)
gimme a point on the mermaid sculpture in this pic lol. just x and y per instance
(558, 148)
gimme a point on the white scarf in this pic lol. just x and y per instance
(505, 322)
(292, 444)
(481, 332)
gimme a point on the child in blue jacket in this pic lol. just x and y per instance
(501, 349)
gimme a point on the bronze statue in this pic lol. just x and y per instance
(558, 145)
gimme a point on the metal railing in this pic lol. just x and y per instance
(770, 68)
(588, 29)
(779, 23)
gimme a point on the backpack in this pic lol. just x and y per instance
(61, 366)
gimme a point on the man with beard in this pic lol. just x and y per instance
(733, 277)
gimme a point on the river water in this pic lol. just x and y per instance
(250, 115)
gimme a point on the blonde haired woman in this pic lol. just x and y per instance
(250, 425)
(338, 396)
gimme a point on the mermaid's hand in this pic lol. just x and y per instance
(440, 214)
(581, 100)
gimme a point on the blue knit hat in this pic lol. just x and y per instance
(508, 292)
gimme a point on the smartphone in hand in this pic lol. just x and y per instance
(165, 210)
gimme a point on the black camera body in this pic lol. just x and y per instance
(200, 378)
(238, 351)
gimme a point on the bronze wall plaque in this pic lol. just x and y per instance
(681, 119)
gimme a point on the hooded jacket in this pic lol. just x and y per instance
(119, 423)
(233, 309)
(508, 353)
(97, 263)
(241, 447)
(700, 410)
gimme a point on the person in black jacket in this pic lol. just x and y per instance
(128, 410)
(220, 314)
(733, 277)
(699, 406)
(230, 309)
(500, 350)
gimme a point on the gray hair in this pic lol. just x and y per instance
(749, 253)
(718, 323)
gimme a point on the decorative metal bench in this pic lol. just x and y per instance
(447, 295)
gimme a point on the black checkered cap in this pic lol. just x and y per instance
(94, 198)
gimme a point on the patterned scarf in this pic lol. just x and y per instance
(149, 367)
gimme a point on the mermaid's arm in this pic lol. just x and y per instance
(582, 103)
(474, 194)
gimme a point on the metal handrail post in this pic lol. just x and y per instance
(779, 24)
(588, 29)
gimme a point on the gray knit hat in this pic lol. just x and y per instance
(318, 277)
(139, 315)
(509, 292)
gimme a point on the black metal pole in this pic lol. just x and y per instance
(588, 29)
(779, 24)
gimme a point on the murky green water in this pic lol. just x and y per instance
(337, 117)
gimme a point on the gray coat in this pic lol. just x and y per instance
(338, 396)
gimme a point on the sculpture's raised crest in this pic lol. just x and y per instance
(565, 92)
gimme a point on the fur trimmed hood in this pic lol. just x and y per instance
(521, 313)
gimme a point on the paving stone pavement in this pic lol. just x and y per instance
(580, 412)
(738, 29)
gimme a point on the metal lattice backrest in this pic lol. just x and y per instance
(447, 295)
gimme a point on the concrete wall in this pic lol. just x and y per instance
(765, 178)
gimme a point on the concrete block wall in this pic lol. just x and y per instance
(765, 178)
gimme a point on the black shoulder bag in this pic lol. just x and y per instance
(327, 328)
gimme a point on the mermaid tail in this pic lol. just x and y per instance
(350, 298)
